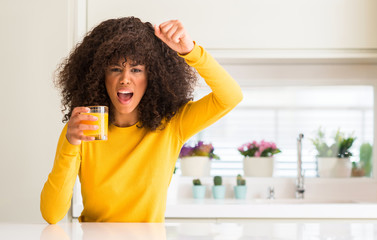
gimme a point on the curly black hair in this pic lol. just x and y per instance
(81, 76)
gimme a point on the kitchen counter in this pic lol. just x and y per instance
(276, 208)
(251, 229)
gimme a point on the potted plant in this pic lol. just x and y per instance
(240, 188)
(258, 158)
(333, 159)
(218, 190)
(364, 166)
(198, 190)
(366, 160)
(357, 170)
(196, 160)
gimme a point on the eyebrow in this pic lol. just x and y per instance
(121, 65)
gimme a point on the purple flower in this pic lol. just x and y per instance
(185, 151)
(205, 148)
(200, 149)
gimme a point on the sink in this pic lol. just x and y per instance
(300, 201)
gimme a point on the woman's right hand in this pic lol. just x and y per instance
(75, 128)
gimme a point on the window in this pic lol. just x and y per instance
(279, 114)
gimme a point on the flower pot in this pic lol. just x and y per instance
(196, 166)
(334, 167)
(258, 166)
(198, 191)
(218, 192)
(240, 192)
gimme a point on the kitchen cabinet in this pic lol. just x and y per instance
(324, 199)
(257, 24)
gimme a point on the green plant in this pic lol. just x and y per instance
(344, 144)
(217, 180)
(240, 181)
(339, 148)
(196, 182)
(366, 150)
(323, 149)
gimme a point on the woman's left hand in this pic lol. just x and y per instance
(175, 36)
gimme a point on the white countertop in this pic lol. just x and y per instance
(251, 229)
(277, 208)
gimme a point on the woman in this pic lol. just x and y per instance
(143, 74)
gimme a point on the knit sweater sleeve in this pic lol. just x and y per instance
(226, 94)
(57, 192)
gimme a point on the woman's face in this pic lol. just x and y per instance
(126, 84)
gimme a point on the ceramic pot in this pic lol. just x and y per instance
(198, 191)
(218, 192)
(334, 167)
(196, 166)
(240, 192)
(258, 166)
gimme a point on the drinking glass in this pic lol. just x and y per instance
(102, 114)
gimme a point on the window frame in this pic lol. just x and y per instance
(321, 72)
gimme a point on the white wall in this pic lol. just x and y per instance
(35, 36)
(261, 24)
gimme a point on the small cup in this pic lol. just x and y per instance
(240, 192)
(199, 191)
(102, 114)
(218, 192)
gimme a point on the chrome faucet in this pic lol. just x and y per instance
(271, 193)
(300, 188)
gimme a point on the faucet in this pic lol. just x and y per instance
(271, 193)
(300, 188)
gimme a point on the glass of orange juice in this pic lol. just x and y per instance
(102, 114)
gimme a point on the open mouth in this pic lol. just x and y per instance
(125, 97)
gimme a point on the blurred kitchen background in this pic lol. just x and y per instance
(302, 65)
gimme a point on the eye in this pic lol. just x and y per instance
(115, 69)
(136, 70)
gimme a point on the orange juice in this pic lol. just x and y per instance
(102, 122)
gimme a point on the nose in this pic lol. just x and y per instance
(125, 78)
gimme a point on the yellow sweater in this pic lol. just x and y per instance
(125, 179)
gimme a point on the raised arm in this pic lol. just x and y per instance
(225, 95)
